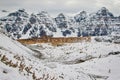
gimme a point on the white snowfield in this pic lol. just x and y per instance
(76, 61)
(73, 61)
(24, 58)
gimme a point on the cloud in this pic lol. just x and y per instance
(64, 6)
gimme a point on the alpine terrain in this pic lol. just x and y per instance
(21, 25)
(97, 59)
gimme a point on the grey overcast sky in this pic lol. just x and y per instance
(54, 7)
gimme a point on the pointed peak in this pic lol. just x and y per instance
(21, 10)
(104, 12)
(82, 12)
(61, 15)
(104, 8)
(43, 14)
(81, 16)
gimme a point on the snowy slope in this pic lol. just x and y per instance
(75, 61)
(97, 60)
(20, 63)
(15, 60)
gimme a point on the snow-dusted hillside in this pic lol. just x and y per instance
(98, 60)
(95, 60)
(20, 63)
(20, 24)
(74, 61)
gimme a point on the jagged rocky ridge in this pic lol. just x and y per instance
(20, 24)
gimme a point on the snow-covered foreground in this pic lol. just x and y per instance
(75, 61)
(97, 60)
(19, 63)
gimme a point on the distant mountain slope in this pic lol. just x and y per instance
(20, 24)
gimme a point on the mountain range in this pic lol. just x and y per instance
(20, 24)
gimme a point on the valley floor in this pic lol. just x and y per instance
(81, 61)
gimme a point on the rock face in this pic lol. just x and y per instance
(20, 24)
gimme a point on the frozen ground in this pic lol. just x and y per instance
(19, 63)
(75, 61)
(98, 60)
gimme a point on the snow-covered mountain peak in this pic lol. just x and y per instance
(61, 15)
(20, 12)
(20, 24)
(104, 12)
(81, 16)
(43, 14)
(83, 13)
(64, 21)
(104, 8)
